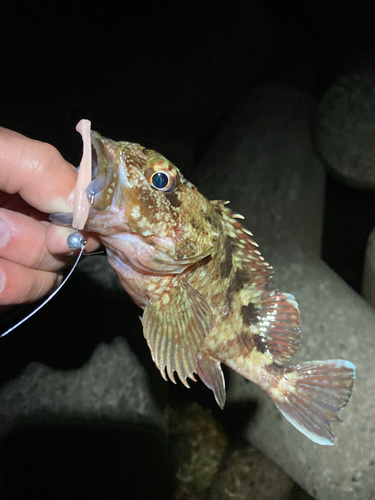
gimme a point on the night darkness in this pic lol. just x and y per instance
(165, 75)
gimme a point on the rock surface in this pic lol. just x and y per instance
(337, 323)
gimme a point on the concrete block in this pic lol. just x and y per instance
(264, 163)
(111, 385)
(345, 127)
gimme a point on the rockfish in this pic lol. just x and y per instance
(198, 275)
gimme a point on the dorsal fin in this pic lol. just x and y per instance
(246, 256)
(273, 317)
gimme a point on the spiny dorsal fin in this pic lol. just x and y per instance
(245, 253)
(273, 317)
(175, 324)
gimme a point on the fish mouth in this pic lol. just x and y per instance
(99, 165)
(99, 174)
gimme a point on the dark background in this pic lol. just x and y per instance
(166, 74)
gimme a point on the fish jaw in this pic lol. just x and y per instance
(136, 251)
(151, 230)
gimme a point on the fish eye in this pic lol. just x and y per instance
(162, 179)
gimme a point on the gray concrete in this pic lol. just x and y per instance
(262, 160)
(112, 385)
(264, 163)
(368, 279)
(345, 127)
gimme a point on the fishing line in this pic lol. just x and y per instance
(75, 241)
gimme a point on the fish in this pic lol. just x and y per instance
(203, 285)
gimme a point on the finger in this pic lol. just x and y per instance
(15, 203)
(36, 171)
(56, 240)
(19, 284)
(22, 240)
(12, 133)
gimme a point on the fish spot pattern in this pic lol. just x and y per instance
(173, 199)
(250, 314)
(260, 343)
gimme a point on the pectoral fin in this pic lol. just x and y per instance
(175, 325)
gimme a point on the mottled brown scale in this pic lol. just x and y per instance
(173, 199)
(236, 284)
(227, 261)
(202, 282)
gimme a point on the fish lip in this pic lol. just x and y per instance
(96, 142)
(94, 161)
(98, 150)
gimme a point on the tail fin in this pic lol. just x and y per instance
(315, 392)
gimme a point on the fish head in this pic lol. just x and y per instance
(145, 211)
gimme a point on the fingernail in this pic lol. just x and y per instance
(2, 281)
(57, 205)
(5, 233)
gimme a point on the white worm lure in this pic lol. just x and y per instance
(81, 203)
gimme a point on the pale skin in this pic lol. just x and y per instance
(35, 180)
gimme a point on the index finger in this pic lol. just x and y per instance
(36, 171)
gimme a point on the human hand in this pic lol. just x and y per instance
(35, 180)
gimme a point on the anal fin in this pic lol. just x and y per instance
(209, 371)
